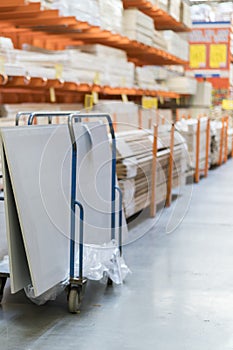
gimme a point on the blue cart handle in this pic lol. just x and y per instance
(48, 114)
(81, 240)
(120, 217)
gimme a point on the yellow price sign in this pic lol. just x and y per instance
(227, 105)
(2, 65)
(178, 101)
(96, 79)
(58, 70)
(124, 98)
(52, 95)
(161, 100)
(149, 102)
(218, 56)
(197, 56)
(88, 102)
(95, 97)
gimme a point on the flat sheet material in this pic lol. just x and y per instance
(37, 169)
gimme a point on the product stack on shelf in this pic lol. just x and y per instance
(158, 40)
(134, 164)
(176, 45)
(182, 85)
(203, 95)
(145, 78)
(84, 65)
(185, 14)
(118, 71)
(188, 129)
(130, 116)
(106, 14)
(138, 26)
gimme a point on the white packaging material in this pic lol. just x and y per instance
(138, 26)
(100, 262)
(133, 18)
(118, 72)
(146, 76)
(174, 9)
(176, 45)
(6, 43)
(103, 51)
(111, 15)
(85, 11)
(160, 73)
(158, 40)
(104, 13)
(185, 14)
(203, 96)
(202, 13)
(182, 85)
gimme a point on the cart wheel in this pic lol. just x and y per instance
(109, 283)
(74, 300)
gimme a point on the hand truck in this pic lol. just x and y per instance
(77, 284)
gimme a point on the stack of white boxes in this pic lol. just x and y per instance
(158, 41)
(145, 78)
(104, 13)
(188, 129)
(138, 26)
(203, 96)
(118, 71)
(176, 45)
(182, 85)
(174, 9)
(185, 14)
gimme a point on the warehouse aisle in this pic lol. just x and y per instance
(178, 297)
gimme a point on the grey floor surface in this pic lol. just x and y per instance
(178, 297)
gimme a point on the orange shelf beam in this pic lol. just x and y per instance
(9, 84)
(161, 18)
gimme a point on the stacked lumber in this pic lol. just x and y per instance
(188, 129)
(221, 141)
(134, 167)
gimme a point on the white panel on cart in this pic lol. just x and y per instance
(39, 160)
(19, 271)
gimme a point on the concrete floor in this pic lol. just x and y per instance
(179, 296)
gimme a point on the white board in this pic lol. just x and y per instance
(19, 270)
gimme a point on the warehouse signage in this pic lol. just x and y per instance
(210, 49)
(210, 56)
